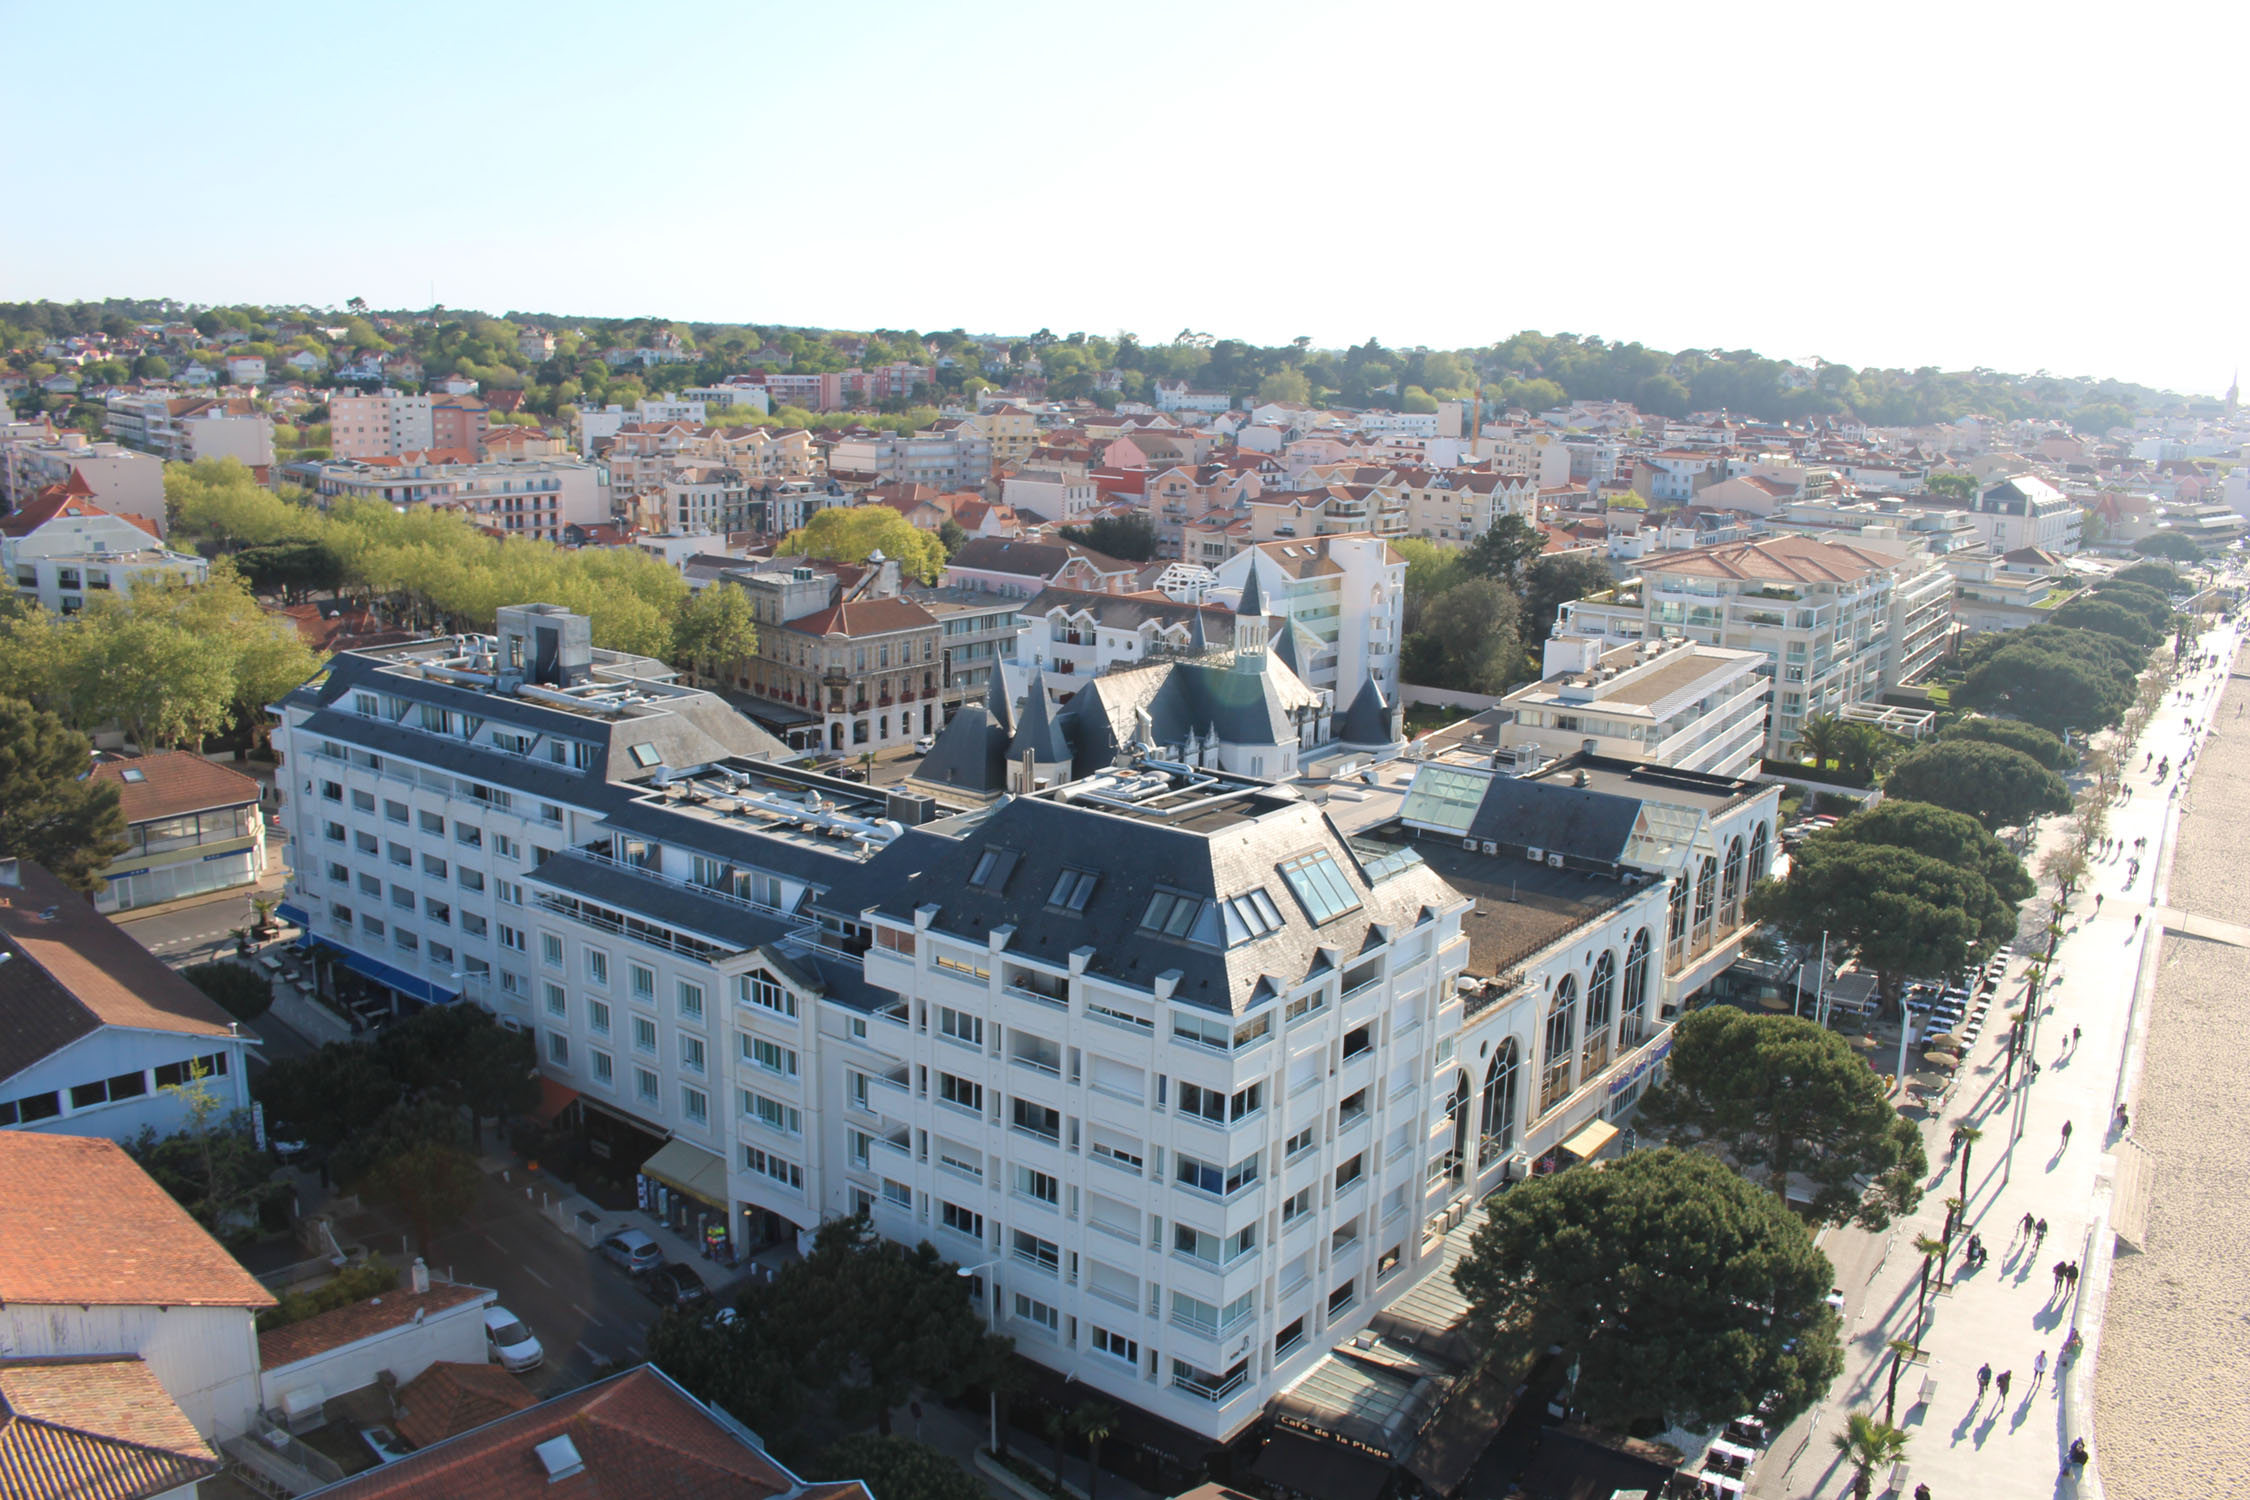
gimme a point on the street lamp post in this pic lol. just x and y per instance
(992, 1395)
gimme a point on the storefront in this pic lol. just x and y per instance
(685, 1187)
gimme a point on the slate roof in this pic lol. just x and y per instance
(638, 1435)
(94, 1428)
(1029, 559)
(1368, 720)
(1222, 853)
(971, 751)
(722, 921)
(1575, 822)
(73, 973)
(81, 1223)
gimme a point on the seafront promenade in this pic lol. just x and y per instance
(2007, 1313)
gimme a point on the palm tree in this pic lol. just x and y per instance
(1930, 1248)
(1870, 1445)
(1969, 1135)
(1821, 738)
(1900, 1349)
(1095, 1421)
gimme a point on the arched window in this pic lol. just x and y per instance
(1460, 1112)
(1497, 1127)
(1562, 1034)
(1730, 886)
(1601, 996)
(1706, 891)
(1633, 1025)
(1675, 927)
(1761, 855)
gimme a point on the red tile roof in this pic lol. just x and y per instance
(80, 1222)
(93, 1428)
(449, 1399)
(358, 1320)
(638, 1436)
(67, 499)
(171, 782)
(864, 617)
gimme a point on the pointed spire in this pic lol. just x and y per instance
(1196, 641)
(1037, 732)
(1253, 601)
(1285, 648)
(997, 708)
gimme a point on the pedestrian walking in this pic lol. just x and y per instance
(2124, 1121)
(1984, 1382)
(2001, 1380)
(2062, 1269)
(2066, 1128)
(2026, 1226)
(1921, 1492)
(2039, 1369)
(2038, 1236)
(2097, 903)
(2071, 1276)
(2074, 1035)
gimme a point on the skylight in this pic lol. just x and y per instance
(646, 755)
(1189, 918)
(1073, 888)
(1250, 915)
(991, 872)
(1320, 884)
(133, 773)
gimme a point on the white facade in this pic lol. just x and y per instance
(1671, 703)
(76, 557)
(1348, 592)
(381, 425)
(111, 1083)
(206, 1358)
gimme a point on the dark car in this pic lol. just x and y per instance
(675, 1285)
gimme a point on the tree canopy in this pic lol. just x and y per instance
(1903, 913)
(49, 813)
(1998, 786)
(1555, 579)
(2110, 617)
(853, 533)
(242, 993)
(2169, 544)
(717, 626)
(1684, 1294)
(1127, 538)
(1789, 1101)
(897, 1468)
(2162, 577)
(1469, 640)
(2064, 681)
(2045, 748)
(1951, 838)
(1504, 550)
(211, 1166)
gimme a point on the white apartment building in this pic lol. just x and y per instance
(381, 425)
(535, 498)
(2022, 510)
(1346, 592)
(1667, 702)
(1838, 622)
(1050, 495)
(1460, 506)
(62, 553)
(1182, 1071)
(951, 456)
(184, 429)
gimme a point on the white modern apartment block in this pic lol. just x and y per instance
(1049, 494)
(1838, 622)
(1670, 702)
(536, 497)
(184, 429)
(1346, 592)
(381, 425)
(80, 550)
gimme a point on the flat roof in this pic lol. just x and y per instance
(1517, 907)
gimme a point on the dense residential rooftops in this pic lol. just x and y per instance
(71, 971)
(81, 1224)
(97, 1427)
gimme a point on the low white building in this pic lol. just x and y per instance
(62, 549)
(400, 1333)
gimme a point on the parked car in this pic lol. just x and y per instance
(925, 744)
(509, 1343)
(632, 1251)
(675, 1285)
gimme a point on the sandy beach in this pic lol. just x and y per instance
(2170, 1413)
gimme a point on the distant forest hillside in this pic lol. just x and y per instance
(1532, 370)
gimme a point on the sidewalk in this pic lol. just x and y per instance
(2009, 1311)
(567, 1210)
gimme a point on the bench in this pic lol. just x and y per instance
(1928, 1393)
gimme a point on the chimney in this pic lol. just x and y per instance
(421, 1275)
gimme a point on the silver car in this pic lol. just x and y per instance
(632, 1250)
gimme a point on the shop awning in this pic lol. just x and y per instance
(1321, 1470)
(692, 1170)
(293, 915)
(387, 974)
(1590, 1140)
(554, 1098)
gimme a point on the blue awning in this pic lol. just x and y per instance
(295, 916)
(387, 974)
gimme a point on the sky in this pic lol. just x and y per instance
(2054, 188)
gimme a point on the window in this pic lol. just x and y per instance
(1033, 1183)
(1190, 918)
(961, 1026)
(440, 954)
(761, 989)
(1037, 1312)
(1036, 1119)
(645, 756)
(1042, 1253)
(1116, 1346)
(558, 1003)
(772, 1113)
(402, 898)
(511, 937)
(1296, 1206)
(363, 801)
(968, 968)
(1319, 883)
(372, 925)
(691, 1053)
(1343, 1297)
(1305, 1005)
(432, 823)
(1116, 1149)
(474, 925)
(1562, 1021)
(597, 966)
(469, 834)
(438, 911)
(1073, 889)
(401, 856)
(558, 1049)
(597, 1018)
(695, 1105)
(366, 843)
(1218, 1108)
(334, 832)
(787, 1173)
(1204, 1384)
(550, 949)
(370, 885)
(898, 1194)
(332, 791)
(1358, 1041)
(961, 1092)
(433, 867)
(690, 997)
(1289, 1338)
(647, 1084)
(1035, 1052)
(771, 1056)
(470, 880)
(1298, 1144)
(644, 983)
(1351, 1172)
(961, 1220)
(644, 1034)
(1250, 916)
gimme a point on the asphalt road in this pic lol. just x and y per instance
(585, 1311)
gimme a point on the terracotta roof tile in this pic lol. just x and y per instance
(99, 1428)
(864, 617)
(80, 1222)
(171, 782)
(357, 1320)
(449, 1399)
(639, 1437)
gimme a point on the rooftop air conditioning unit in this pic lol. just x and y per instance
(1535, 855)
(1554, 861)
(1491, 846)
(1468, 844)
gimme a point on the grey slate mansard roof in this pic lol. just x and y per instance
(1133, 856)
